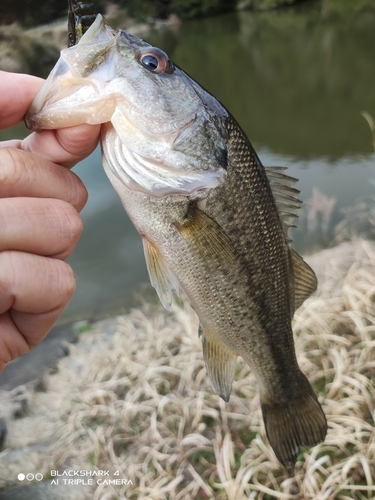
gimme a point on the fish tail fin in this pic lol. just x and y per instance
(299, 423)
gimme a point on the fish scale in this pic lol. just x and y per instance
(264, 237)
(214, 222)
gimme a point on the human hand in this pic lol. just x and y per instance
(39, 221)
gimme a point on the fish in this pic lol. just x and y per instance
(213, 220)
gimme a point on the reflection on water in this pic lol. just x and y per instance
(327, 188)
(297, 83)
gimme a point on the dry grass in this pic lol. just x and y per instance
(139, 402)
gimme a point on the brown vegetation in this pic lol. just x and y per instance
(138, 401)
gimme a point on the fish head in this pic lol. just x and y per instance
(163, 133)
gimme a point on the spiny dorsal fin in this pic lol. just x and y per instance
(305, 281)
(161, 277)
(285, 194)
(220, 363)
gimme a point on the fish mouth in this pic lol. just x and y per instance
(147, 125)
(92, 79)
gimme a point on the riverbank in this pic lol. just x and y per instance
(132, 397)
(35, 51)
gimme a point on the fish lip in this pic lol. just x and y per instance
(30, 122)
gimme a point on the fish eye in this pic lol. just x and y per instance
(150, 62)
(156, 60)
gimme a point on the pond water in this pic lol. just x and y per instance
(297, 81)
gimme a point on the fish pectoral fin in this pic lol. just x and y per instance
(206, 237)
(288, 427)
(161, 277)
(220, 363)
(305, 281)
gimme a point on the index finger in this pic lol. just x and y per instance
(17, 93)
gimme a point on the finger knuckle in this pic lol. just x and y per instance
(81, 194)
(6, 276)
(12, 169)
(65, 282)
(71, 225)
(34, 283)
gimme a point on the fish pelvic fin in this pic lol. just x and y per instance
(300, 423)
(161, 277)
(220, 363)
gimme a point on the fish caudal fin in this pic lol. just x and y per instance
(220, 364)
(301, 423)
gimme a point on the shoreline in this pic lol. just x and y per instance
(36, 50)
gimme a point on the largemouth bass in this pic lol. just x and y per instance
(213, 221)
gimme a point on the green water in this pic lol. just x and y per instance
(297, 81)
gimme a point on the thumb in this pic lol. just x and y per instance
(66, 146)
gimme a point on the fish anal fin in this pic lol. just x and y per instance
(220, 363)
(305, 281)
(301, 423)
(161, 277)
(206, 236)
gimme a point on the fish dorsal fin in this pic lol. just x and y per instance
(305, 281)
(288, 203)
(220, 363)
(285, 194)
(161, 277)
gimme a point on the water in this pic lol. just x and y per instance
(297, 82)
